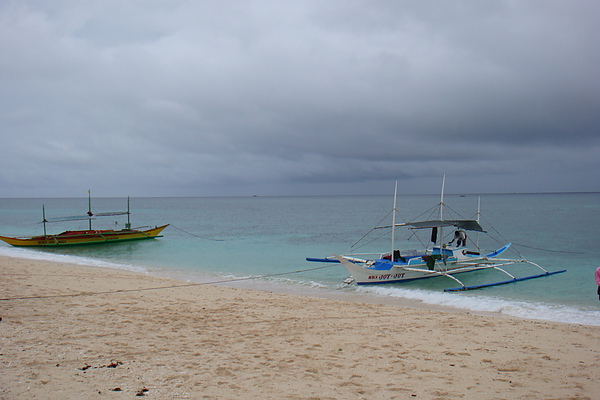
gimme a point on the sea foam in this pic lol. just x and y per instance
(37, 255)
(482, 303)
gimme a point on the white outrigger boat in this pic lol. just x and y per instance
(440, 260)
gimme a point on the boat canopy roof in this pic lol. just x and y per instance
(466, 224)
(85, 217)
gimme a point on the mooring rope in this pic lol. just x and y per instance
(553, 251)
(164, 287)
(198, 236)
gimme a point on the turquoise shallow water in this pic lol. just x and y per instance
(213, 239)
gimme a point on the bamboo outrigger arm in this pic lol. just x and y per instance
(512, 280)
(471, 267)
(503, 282)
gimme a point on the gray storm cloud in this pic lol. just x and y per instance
(340, 97)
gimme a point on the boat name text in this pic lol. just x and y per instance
(387, 276)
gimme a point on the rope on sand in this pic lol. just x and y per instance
(164, 287)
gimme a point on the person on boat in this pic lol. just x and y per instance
(461, 238)
(598, 281)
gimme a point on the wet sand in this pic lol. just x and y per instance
(74, 332)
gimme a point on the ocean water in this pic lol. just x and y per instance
(266, 239)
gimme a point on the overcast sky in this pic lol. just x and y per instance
(184, 98)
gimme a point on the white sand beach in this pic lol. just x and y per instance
(74, 332)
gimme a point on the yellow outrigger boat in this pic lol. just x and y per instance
(88, 236)
(69, 238)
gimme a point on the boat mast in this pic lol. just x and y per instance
(128, 225)
(441, 236)
(44, 218)
(90, 209)
(478, 215)
(394, 219)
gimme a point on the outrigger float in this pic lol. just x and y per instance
(440, 260)
(88, 236)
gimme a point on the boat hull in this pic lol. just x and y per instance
(364, 275)
(74, 238)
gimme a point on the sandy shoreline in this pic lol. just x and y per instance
(63, 339)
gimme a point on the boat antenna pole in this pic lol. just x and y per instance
(394, 219)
